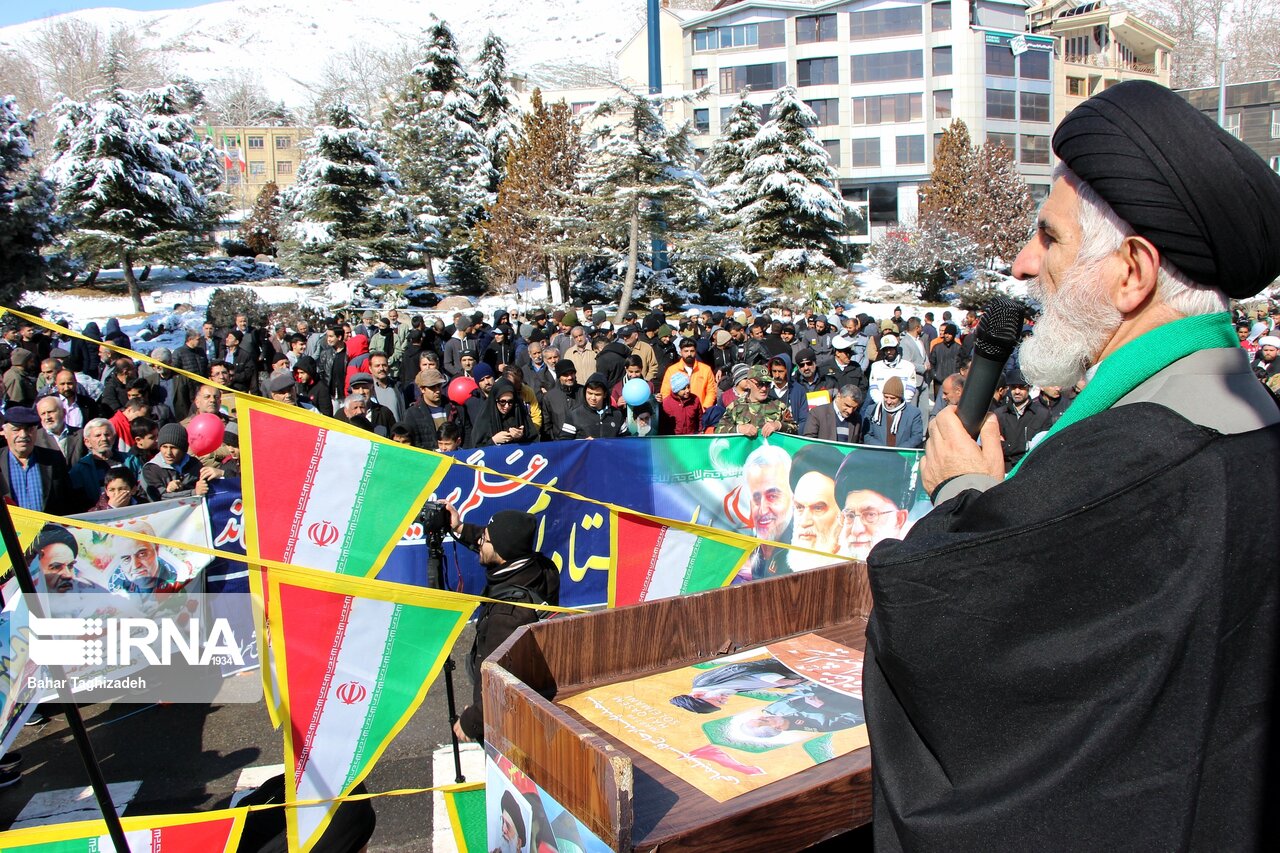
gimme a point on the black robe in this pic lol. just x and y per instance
(1083, 657)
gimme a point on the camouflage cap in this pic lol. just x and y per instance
(759, 373)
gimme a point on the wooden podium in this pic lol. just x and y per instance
(627, 800)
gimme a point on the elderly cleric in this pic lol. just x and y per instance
(1082, 655)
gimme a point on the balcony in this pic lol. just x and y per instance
(1098, 60)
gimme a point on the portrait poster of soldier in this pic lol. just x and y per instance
(737, 723)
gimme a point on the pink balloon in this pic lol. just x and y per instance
(460, 389)
(204, 433)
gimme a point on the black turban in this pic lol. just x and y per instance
(1201, 196)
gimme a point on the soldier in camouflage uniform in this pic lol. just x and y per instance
(753, 415)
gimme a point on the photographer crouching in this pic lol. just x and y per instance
(515, 572)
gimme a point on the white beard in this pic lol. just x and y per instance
(1069, 336)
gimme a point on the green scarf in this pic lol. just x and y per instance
(1139, 360)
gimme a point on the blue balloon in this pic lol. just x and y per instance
(636, 392)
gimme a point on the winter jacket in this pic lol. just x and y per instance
(876, 423)
(610, 361)
(191, 360)
(157, 474)
(89, 473)
(1017, 430)
(556, 405)
(680, 416)
(607, 422)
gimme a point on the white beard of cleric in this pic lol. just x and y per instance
(1076, 324)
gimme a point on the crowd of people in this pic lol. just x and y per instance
(87, 428)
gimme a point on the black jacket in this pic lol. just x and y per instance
(59, 497)
(590, 423)
(612, 362)
(556, 406)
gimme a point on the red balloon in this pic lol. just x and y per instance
(460, 389)
(204, 433)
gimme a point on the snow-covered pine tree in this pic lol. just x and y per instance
(641, 180)
(525, 225)
(26, 209)
(789, 195)
(122, 186)
(947, 200)
(496, 104)
(344, 204)
(727, 157)
(436, 148)
(261, 231)
(1003, 211)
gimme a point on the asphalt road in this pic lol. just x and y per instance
(189, 758)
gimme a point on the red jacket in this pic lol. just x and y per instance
(680, 417)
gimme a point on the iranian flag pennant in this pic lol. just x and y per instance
(205, 832)
(660, 559)
(326, 495)
(354, 659)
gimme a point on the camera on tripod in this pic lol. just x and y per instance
(434, 518)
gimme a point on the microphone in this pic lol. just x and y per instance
(997, 335)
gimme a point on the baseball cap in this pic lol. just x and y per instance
(842, 342)
(759, 373)
(888, 341)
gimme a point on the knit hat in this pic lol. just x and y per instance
(651, 323)
(893, 386)
(512, 534)
(679, 381)
(564, 367)
(175, 434)
(481, 371)
(664, 331)
(721, 338)
(740, 372)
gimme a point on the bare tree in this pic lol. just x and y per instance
(363, 77)
(1241, 33)
(240, 100)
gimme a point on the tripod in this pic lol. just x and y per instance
(435, 577)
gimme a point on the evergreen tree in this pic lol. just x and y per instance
(26, 209)
(946, 199)
(122, 180)
(1002, 211)
(261, 231)
(641, 180)
(727, 157)
(466, 271)
(789, 194)
(526, 224)
(344, 205)
(496, 105)
(435, 146)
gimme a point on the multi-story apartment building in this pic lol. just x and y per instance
(1251, 113)
(884, 77)
(255, 156)
(1099, 44)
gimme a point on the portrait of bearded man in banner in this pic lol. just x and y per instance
(766, 479)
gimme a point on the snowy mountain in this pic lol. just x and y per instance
(288, 42)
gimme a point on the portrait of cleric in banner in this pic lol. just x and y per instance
(824, 497)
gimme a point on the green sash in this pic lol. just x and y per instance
(1139, 360)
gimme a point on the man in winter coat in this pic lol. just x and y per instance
(1020, 418)
(514, 572)
(595, 418)
(560, 401)
(20, 379)
(891, 363)
(701, 379)
(681, 411)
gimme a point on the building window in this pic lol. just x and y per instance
(910, 150)
(1001, 104)
(230, 142)
(699, 78)
(257, 167)
(941, 61)
(832, 147)
(1034, 106)
(864, 153)
(1075, 87)
(883, 23)
(767, 34)
(1008, 140)
(284, 167)
(1275, 124)
(1076, 49)
(581, 107)
(827, 110)
(256, 142)
(812, 28)
(1035, 150)
(1232, 124)
(817, 72)
(702, 121)
(942, 103)
(940, 16)
(760, 78)
(284, 142)
(1034, 65)
(1000, 60)
(887, 109)
(898, 65)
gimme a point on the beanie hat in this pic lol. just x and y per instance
(512, 534)
(679, 381)
(564, 367)
(175, 434)
(893, 386)
(480, 371)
